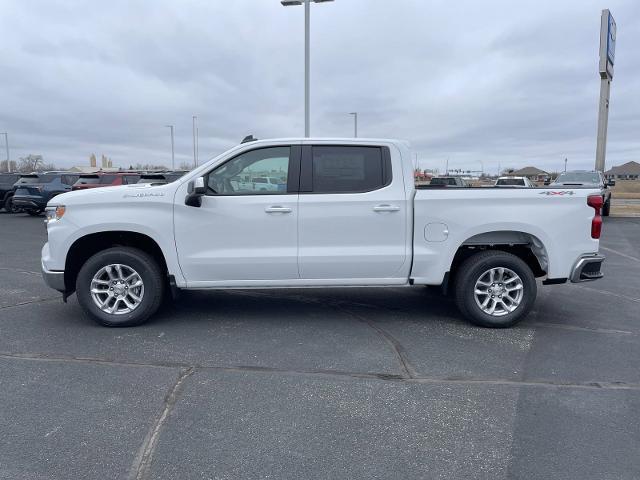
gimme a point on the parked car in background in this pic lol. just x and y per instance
(514, 182)
(160, 178)
(96, 180)
(585, 178)
(7, 182)
(35, 190)
(266, 184)
(450, 181)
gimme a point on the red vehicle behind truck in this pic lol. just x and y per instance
(97, 180)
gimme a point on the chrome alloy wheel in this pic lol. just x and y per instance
(117, 289)
(498, 291)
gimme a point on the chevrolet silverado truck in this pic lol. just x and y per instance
(350, 216)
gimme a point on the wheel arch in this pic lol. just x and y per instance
(90, 244)
(528, 247)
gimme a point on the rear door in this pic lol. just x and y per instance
(352, 214)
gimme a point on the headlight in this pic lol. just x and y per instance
(54, 213)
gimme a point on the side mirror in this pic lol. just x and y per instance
(611, 183)
(195, 190)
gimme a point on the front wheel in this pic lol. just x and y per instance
(606, 208)
(495, 289)
(120, 287)
(9, 206)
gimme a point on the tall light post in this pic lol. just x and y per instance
(195, 141)
(355, 123)
(6, 139)
(565, 165)
(173, 153)
(307, 55)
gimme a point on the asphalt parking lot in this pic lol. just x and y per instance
(304, 384)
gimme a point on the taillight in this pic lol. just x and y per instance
(596, 202)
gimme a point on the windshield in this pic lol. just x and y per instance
(510, 181)
(443, 181)
(95, 180)
(30, 179)
(578, 177)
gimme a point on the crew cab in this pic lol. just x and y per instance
(590, 179)
(350, 216)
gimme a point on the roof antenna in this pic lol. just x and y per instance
(247, 139)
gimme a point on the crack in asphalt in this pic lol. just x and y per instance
(140, 469)
(29, 302)
(453, 380)
(396, 347)
(19, 270)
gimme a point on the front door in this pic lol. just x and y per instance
(246, 229)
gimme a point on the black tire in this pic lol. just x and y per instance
(9, 205)
(473, 268)
(143, 264)
(606, 208)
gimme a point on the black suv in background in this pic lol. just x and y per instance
(7, 182)
(33, 191)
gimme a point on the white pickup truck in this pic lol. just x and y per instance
(350, 216)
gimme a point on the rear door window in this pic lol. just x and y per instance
(348, 169)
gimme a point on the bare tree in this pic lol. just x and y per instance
(185, 166)
(30, 163)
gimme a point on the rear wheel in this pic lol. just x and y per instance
(120, 287)
(495, 289)
(606, 208)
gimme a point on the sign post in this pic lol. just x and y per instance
(607, 59)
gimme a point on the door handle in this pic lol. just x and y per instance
(386, 208)
(277, 209)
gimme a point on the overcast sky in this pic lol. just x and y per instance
(507, 82)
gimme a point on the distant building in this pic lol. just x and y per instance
(627, 171)
(532, 173)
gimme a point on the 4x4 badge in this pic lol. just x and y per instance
(558, 192)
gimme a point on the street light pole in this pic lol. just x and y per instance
(173, 153)
(565, 165)
(355, 123)
(195, 141)
(307, 57)
(6, 138)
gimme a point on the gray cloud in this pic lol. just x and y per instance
(497, 82)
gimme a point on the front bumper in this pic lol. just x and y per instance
(53, 279)
(587, 268)
(28, 203)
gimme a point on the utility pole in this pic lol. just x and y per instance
(173, 153)
(565, 165)
(607, 57)
(6, 138)
(355, 124)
